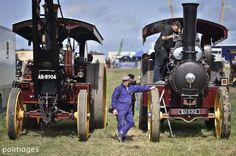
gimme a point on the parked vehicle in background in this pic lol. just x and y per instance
(7, 64)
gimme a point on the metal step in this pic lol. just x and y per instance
(161, 100)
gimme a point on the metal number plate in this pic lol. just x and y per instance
(47, 77)
(188, 111)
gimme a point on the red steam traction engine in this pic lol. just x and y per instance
(60, 83)
(188, 93)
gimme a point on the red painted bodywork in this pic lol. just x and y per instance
(173, 102)
(27, 89)
(68, 63)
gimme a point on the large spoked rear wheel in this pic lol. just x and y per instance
(96, 75)
(222, 110)
(15, 114)
(83, 113)
(154, 116)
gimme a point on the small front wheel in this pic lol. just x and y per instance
(14, 114)
(154, 116)
(83, 113)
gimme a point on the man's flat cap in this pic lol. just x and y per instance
(125, 78)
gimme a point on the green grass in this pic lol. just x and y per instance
(61, 139)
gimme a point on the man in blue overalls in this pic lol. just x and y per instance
(122, 105)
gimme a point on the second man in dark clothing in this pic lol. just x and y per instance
(132, 82)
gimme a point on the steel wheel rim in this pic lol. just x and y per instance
(149, 118)
(218, 116)
(18, 115)
(88, 116)
(83, 115)
(104, 98)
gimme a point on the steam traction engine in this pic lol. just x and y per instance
(188, 93)
(60, 83)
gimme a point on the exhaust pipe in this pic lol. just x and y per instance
(189, 31)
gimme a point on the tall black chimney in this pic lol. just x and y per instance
(189, 30)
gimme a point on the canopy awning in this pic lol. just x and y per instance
(212, 30)
(79, 30)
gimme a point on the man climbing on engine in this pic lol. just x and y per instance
(162, 48)
(122, 105)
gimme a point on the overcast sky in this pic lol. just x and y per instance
(116, 19)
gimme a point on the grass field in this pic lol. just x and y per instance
(61, 139)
